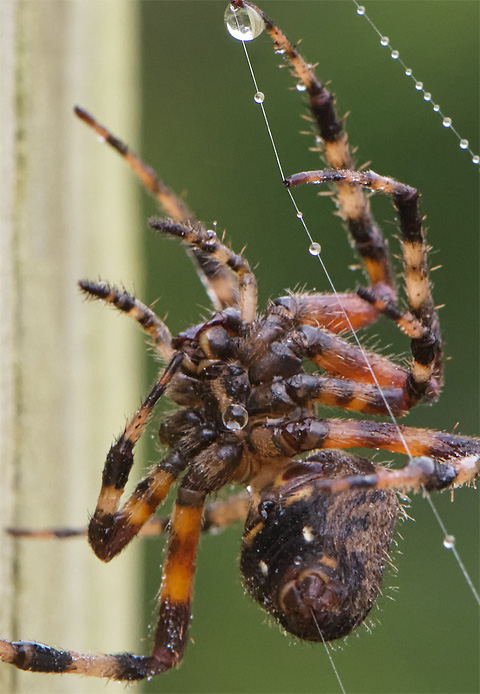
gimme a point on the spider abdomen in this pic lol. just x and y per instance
(315, 560)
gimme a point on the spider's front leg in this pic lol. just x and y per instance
(211, 246)
(353, 205)
(110, 529)
(216, 277)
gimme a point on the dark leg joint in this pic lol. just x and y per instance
(425, 348)
(436, 475)
(35, 657)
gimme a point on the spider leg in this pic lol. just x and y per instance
(335, 312)
(451, 460)
(177, 582)
(209, 243)
(217, 516)
(354, 207)
(283, 396)
(134, 308)
(176, 589)
(426, 349)
(216, 278)
(111, 529)
(174, 614)
(341, 358)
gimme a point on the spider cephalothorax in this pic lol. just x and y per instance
(317, 528)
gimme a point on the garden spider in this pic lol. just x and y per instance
(212, 439)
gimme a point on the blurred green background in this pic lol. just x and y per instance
(205, 135)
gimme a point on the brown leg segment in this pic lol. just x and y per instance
(329, 311)
(218, 516)
(341, 358)
(117, 468)
(281, 397)
(210, 244)
(451, 460)
(219, 283)
(134, 308)
(426, 350)
(354, 207)
(174, 618)
(177, 583)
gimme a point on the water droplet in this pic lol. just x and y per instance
(279, 50)
(476, 159)
(447, 122)
(395, 55)
(384, 41)
(101, 138)
(360, 10)
(300, 87)
(408, 72)
(211, 238)
(235, 417)
(243, 23)
(314, 248)
(419, 86)
(436, 108)
(422, 464)
(299, 215)
(297, 561)
(463, 144)
(427, 96)
(259, 97)
(449, 541)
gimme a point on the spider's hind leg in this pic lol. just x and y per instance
(438, 460)
(218, 515)
(174, 617)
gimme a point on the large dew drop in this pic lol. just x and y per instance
(243, 23)
(235, 417)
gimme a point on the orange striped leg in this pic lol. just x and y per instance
(172, 629)
(341, 358)
(426, 350)
(451, 460)
(217, 516)
(209, 243)
(354, 207)
(282, 397)
(178, 574)
(105, 520)
(108, 532)
(328, 311)
(134, 308)
(217, 280)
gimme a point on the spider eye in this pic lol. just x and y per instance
(315, 560)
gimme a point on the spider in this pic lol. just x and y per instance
(317, 529)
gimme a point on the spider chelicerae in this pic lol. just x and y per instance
(317, 529)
